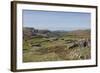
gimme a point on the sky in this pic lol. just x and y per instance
(52, 20)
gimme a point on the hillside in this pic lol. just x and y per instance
(32, 32)
(45, 45)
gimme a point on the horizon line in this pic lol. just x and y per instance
(58, 30)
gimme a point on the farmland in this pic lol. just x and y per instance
(46, 45)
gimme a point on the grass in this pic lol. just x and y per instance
(53, 50)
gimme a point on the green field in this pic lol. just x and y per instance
(37, 48)
(56, 48)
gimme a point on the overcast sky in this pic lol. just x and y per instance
(56, 20)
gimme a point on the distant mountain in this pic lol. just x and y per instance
(32, 32)
(80, 32)
(29, 32)
(83, 33)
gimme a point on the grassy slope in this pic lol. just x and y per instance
(53, 50)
